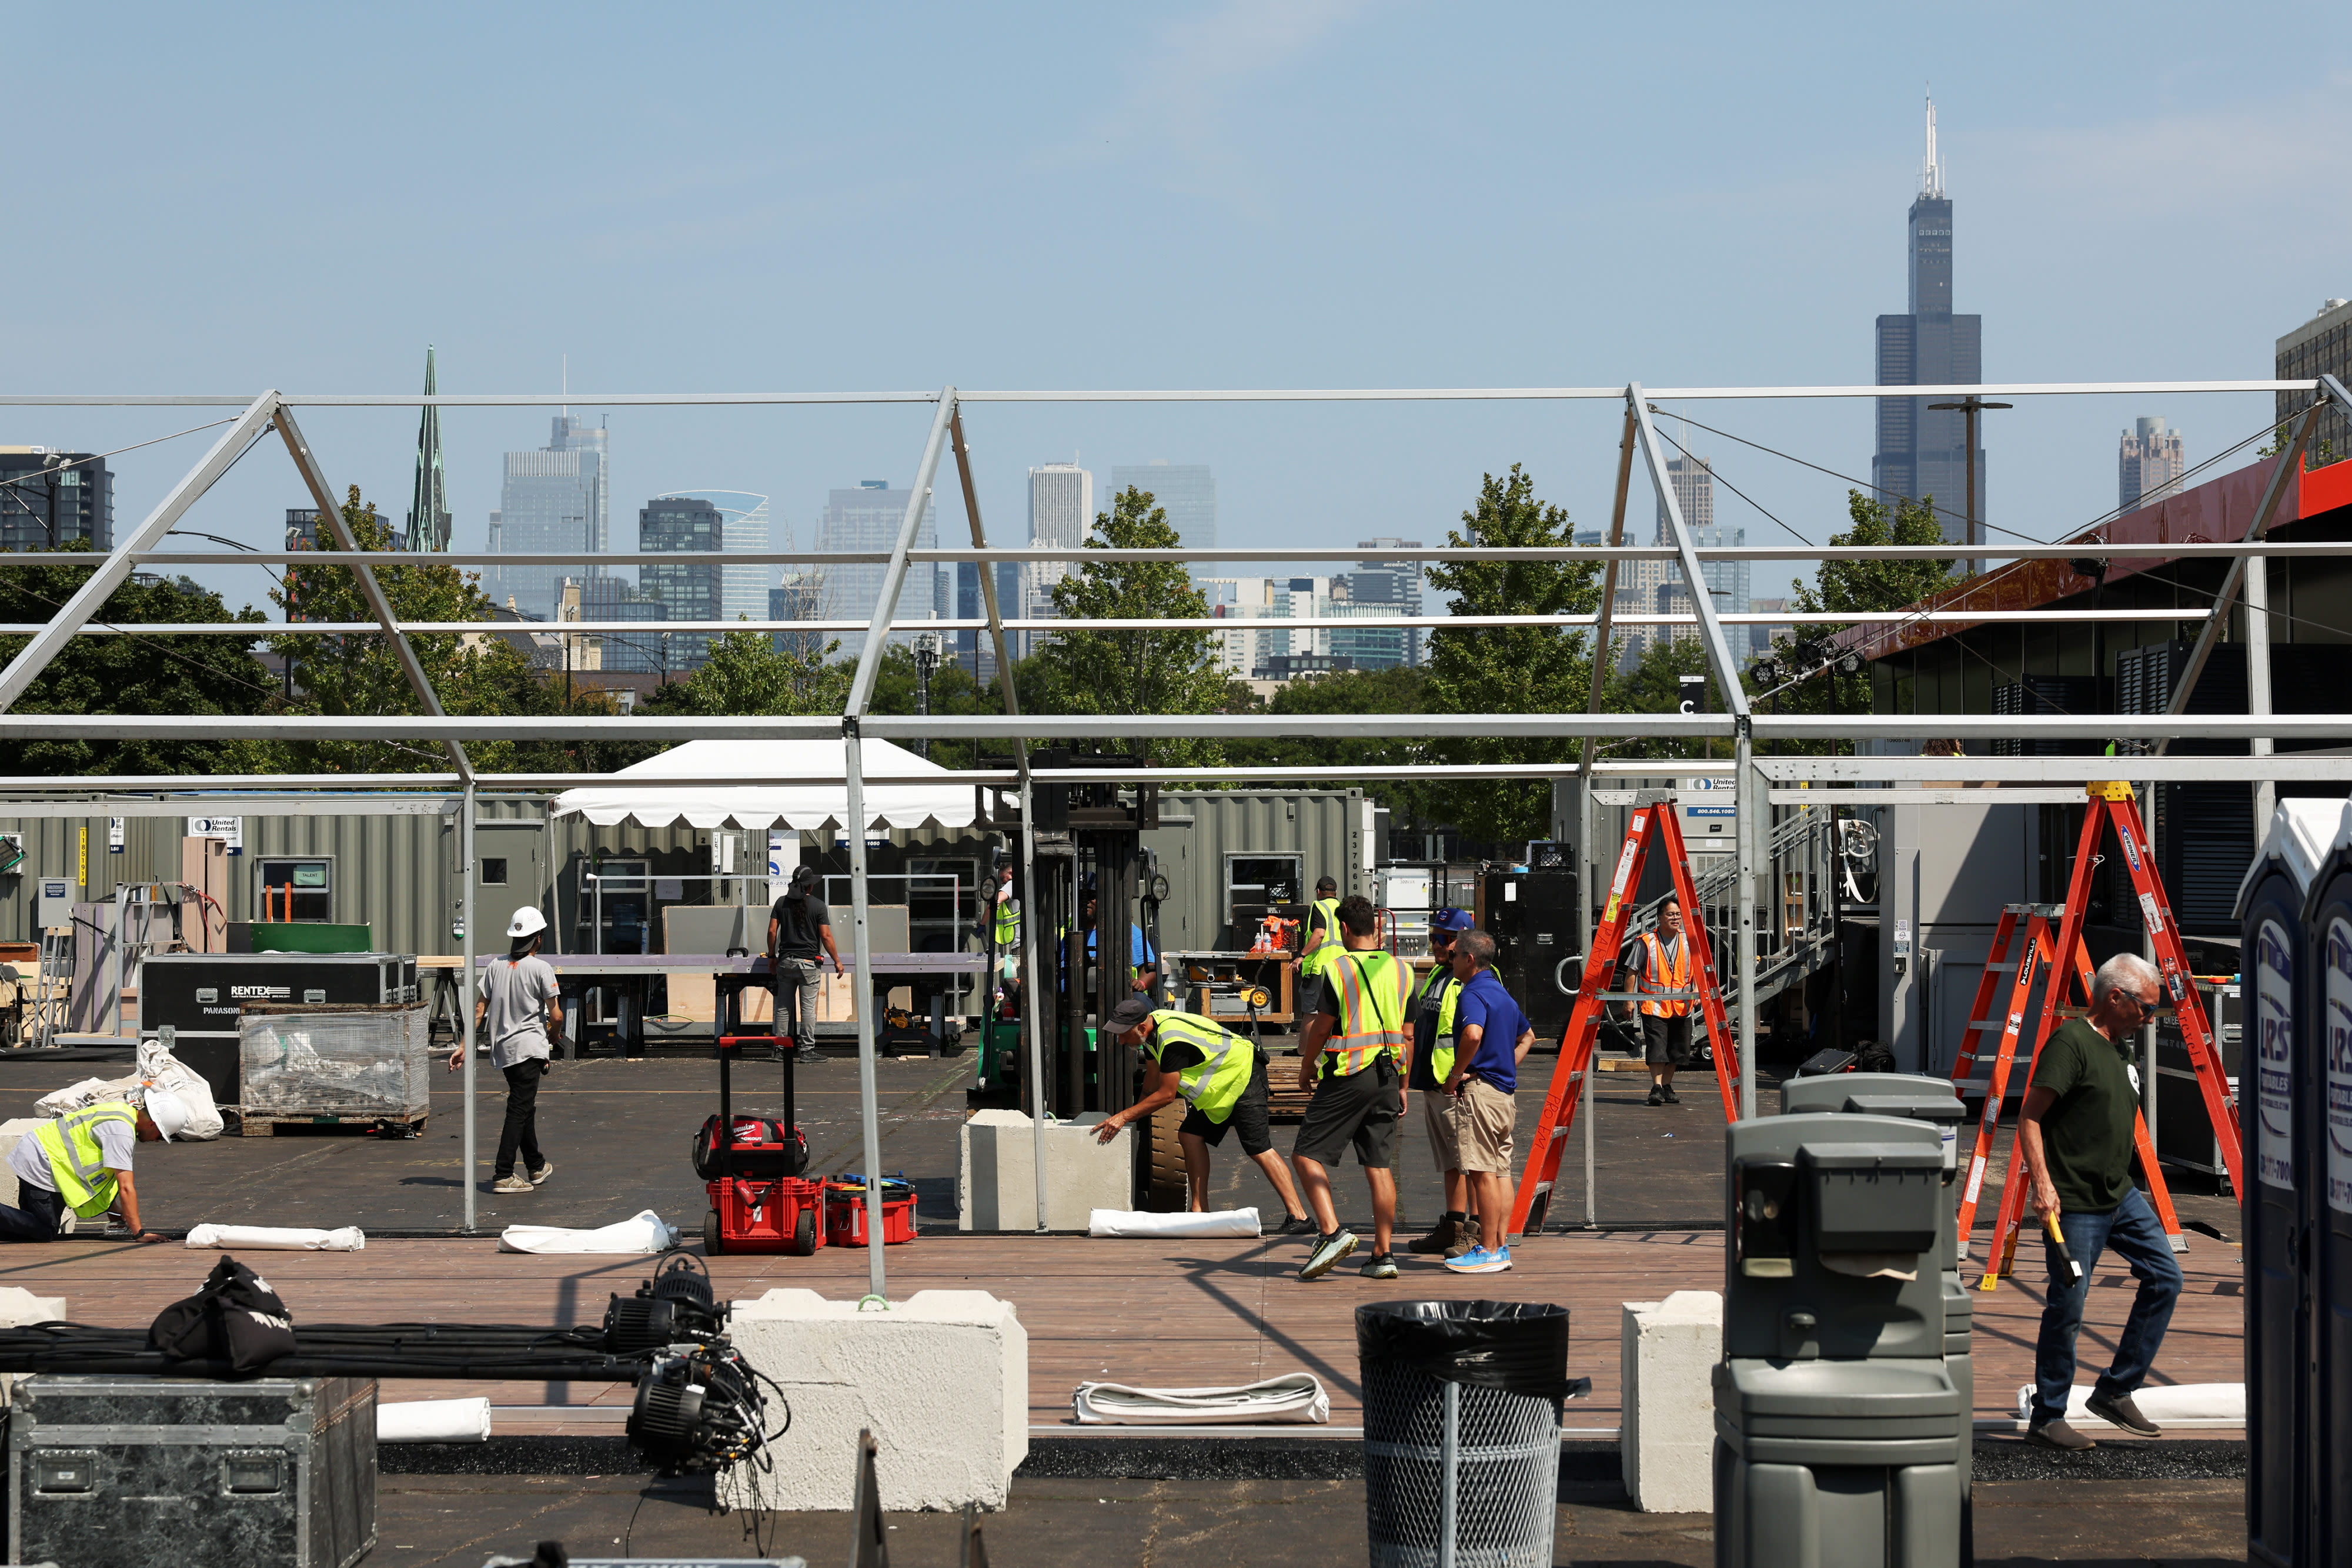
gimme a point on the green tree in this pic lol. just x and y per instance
(1850, 586)
(142, 675)
(1397, 691)
(1653, 684)
(747, 674)
(1514, 669)
(1132, 672)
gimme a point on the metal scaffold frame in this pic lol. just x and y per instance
(1753, 776)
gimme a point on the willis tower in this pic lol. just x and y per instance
(1923, 452)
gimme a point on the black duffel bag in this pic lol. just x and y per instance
(235, 1318)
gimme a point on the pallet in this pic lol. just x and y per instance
(255, 1125)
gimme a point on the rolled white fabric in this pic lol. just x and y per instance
(280, 1238)
(434, 1421)
(1298, 1399)
(640, 1232)
(1124, 1222)
(2215, 1405)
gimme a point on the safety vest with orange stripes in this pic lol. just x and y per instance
(1663, 976)
(1374, 993)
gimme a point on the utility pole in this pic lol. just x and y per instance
(1970, 407)
(927, 660)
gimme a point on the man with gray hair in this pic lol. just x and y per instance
(2077, 1131)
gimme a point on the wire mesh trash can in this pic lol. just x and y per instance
(1462, 1431)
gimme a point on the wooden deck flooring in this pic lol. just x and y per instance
(1136, 1312)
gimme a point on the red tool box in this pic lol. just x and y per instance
(846, 1213)
(751, 1165)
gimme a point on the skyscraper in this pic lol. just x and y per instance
(1693, 478)
(1187, 491)
(977, 650)
(48, 497)
(2149, 468)
(1061, 510)
(1922, 452)
(2321, 345)
(747, 530)
(693, 587)
(868, 519)
(1380, 589)
(428, 500)
(554, 499)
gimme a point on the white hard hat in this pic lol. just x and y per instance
(169, 1113)
(526, 922)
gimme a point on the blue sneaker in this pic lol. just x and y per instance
(1479, 1260)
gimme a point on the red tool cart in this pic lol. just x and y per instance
(751, 1165)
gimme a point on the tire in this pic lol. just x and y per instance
(712, 1243)
(1164, 1188)
(804, 1234)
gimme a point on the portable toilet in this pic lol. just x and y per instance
(2303, 870)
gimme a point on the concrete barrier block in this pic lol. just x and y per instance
(1667, 1443)
(12, 1131)
(999, 1170)
(942, 1380)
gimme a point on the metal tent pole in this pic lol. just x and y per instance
(466, 984)
(1032, 1023)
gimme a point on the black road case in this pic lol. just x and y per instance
(168, 1472)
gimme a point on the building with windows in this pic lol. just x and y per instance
(693, 587)
(645, 653)
(2149, 466)
(1061, 511)
(1923, 451)
(1187, 491)
(554, 500)
(2321, 345)
(50, 497)
(868, 519)
(977, 650)
(743, 595)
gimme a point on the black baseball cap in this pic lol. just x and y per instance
(1127, 1015)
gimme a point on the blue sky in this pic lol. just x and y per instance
(1321, 194)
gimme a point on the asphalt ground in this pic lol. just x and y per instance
(618, 1131)
(1233, 1523)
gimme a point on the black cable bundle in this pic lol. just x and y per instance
(701, 1410)
(677, 1306)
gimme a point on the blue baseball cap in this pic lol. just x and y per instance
(1451, 921)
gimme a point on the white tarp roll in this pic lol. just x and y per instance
(280, 1238)
(1124, 1222)
(1295, 1400)
(434, 1421)
(642, 1232)
(2212, 1404)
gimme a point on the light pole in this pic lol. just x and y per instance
(1970, 407)
(927, 659)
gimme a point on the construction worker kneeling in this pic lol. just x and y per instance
(81, 1161)
(1222, 1076)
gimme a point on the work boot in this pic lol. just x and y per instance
(1671, 1098)
(2058, 1435)
(1465, 1238)
(1657, 1095)
(2118, 1410)
(1444, 1234)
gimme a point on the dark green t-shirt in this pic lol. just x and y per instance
(2088, 1135)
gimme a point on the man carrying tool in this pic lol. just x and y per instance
(1222, 1076)
(1494, 1038)
(1660, 963)
(1318, 945)
(81, 1161)
(1348, 1055)
(2077, 1129)
(1427, 1066)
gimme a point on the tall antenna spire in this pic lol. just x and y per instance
(428, 503)
(1931, 172)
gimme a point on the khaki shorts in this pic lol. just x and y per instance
(1437, 1121)
(1483, 1119)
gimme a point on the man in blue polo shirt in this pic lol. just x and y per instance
(1492, 1036)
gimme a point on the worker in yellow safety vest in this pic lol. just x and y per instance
(1004, 936)
(1350, 1055)
(1222, 1076)
(1428, 1064)
(1660, 964)
(80, 1161)
(1319, 945)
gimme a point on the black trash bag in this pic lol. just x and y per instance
(235, 1318)
(1519, 1347)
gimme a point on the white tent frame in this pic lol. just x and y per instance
(1751, 777)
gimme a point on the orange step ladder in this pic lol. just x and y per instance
(2112, 806)
(1653, 829)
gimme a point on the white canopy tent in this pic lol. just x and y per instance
(707, 793)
